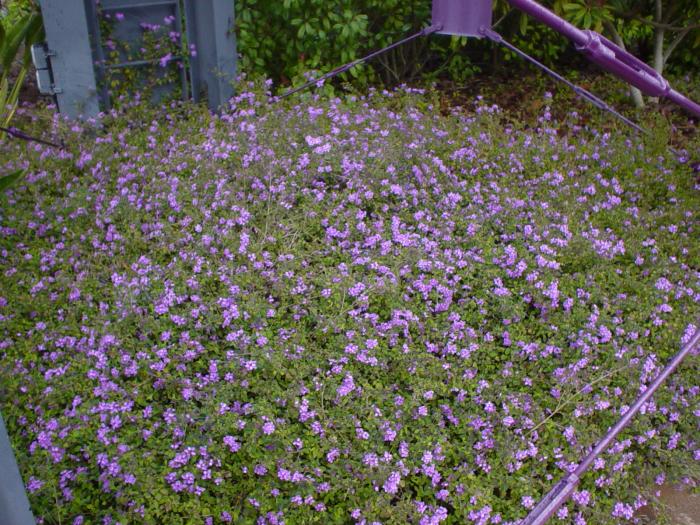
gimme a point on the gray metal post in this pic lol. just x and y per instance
(210, 28)
(70, 54)
(14, 505)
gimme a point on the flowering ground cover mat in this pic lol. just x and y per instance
(360, 310)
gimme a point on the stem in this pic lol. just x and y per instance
(662, 25)
(561, 405)
(498, 22)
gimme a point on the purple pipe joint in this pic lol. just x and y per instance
(607, 55)
(617, 61)
(474, 17)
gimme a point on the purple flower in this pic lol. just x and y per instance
(356, 289)
(332, 455)
(391, 485)
(347, 386)
(622, 510)
(663, 284)
(232, 443)
(34, 484)
(581, 498)
(313, 141)
(528, 502)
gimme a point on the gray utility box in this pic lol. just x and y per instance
(90, 43)
(14, 505)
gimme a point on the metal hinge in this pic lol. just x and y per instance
(41, 56)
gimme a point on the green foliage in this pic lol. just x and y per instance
(9, 95)
(18, 31)
(527, 34)
(585, 15)
(20, 27)
(636, 23)
(158, 44)
(284, 40)
(16, 38)
(13, 10)
(287, 39)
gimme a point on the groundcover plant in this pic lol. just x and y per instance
(344, 311)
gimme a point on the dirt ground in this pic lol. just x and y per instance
(683, 508)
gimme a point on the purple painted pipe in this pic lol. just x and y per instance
(556, 497)
(607, 55)
(544, 15)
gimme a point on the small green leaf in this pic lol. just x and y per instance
(523, 24)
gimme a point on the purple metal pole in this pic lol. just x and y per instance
(685, 102)
(609, 56)
(561, 492)
(544, 15)
(586, 95)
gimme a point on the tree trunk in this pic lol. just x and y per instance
(634, 92)
(659, 60)
(659, 34)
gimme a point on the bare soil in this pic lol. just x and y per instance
(679, 505)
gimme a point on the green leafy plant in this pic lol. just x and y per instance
(8, 180)
(161, 50)
(16, 38)
(15, 42)
(286, 40)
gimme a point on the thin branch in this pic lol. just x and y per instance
(562, 403)
(661, 25)
(500, 20)
(671, 11)
(679, 38)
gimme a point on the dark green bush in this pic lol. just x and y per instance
(284, 40)
(287, 39)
